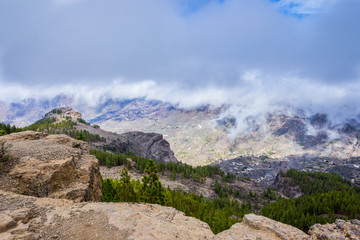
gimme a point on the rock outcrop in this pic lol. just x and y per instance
(258, 227)
(345, 230)
(24, 217)
(149, 145)
(55, 166)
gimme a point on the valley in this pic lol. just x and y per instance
(203, 136)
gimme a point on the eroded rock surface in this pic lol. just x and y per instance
(255, 227)
(45, 218)
(344, 230)
(55, 166)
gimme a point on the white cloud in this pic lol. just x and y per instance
(306, 6)
(242, 52)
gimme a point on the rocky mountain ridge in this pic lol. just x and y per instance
(148, 145)
(35, 217)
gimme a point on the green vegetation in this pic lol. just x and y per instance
(326, 197)
(83, 121)
(48, 125)
(311, 183)
(7, 129)
(3, 149)
(179, 170)
(322, 208)
(151, 188)
(219, 213)
(271, 194)
(4, 156)
(54, 111)
(41, 124)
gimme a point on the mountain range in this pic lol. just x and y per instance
(205, 135)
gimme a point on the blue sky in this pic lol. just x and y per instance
(210, 51)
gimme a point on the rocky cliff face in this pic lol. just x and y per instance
(50, 167)
(149, 145)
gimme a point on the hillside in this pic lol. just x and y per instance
(65, 120)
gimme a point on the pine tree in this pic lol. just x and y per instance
(152, 190)
(124, 189)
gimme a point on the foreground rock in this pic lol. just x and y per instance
(55, 166)
(24, 217)
(339, 230)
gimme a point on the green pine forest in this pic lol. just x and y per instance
(326, 197)
(219, 213)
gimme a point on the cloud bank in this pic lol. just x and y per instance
(250, 54)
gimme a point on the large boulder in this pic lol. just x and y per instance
(55, 166)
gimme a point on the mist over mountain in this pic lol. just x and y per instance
(256, 57)
(220, 79)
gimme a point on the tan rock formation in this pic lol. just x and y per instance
(261, 228)
(24, 217)
(344, 230)
(54, 166)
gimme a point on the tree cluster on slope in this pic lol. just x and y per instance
(219, 213)
(326, 197)
(179, 170)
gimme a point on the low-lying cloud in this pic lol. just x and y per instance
(251, 55)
